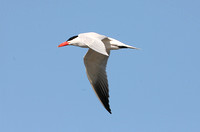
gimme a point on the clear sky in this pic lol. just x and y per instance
(45, 89)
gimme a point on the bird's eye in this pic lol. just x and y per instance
(72, 38)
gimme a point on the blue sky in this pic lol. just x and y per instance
(45, 88)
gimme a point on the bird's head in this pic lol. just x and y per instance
(71, 41)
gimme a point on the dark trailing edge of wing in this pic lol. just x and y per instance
(103, 95)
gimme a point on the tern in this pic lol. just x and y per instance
(96, 59)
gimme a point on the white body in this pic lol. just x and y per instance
(98, 43)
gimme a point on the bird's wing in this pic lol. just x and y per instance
(95, 64)
(93, 41)
(94, 35)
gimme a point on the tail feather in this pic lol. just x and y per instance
(120, 44)
(131, 47)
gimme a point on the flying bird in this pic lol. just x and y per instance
(96, 59)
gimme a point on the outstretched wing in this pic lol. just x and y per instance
(95, 64)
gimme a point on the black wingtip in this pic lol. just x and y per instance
(107, 106)
(109, 110)
(122, 47)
